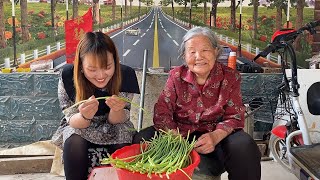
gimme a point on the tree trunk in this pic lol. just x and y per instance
(75, 5)
(299, 21)
(233, 15)
(125, 8)
(172, 9)
(255, 18)
(214, 12)
(316, 37)
(279, 18)
(113, 10)
(185, 7)
(24, 21)
(53, 12)
(2, 28)
(130, 10)
(205, 13)
(95, 11)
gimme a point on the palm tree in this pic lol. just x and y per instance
(24, 20)
(2, 29)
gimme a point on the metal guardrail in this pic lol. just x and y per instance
(256, 50)
(38, 53)
(50, 49)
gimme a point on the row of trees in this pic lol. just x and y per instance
(75, 3)
(280, 5)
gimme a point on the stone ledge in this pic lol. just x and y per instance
(23, 165)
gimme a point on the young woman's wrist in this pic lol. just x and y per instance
(85, 118)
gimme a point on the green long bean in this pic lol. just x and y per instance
(166, 153)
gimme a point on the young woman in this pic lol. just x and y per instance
(98, 126)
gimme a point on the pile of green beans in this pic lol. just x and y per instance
(166, 153)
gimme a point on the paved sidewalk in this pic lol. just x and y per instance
(270, 171)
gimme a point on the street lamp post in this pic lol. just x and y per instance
(14, 35)
(190, 15)
(240, 27)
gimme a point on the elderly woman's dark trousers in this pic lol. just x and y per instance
(238, 154)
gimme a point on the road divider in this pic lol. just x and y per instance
(155, 44)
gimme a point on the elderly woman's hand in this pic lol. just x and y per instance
(206, 143)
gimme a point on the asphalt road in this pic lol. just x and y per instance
(131, 48)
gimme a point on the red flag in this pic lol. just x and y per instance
(74, 30)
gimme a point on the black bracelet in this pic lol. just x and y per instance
(85, 118)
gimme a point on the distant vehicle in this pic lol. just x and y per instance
(133, 32)
(107, 2)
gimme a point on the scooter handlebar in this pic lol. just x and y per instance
(291, 36)
(271, 47)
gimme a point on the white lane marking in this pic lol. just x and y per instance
(127, 52)
(173, 22)
(169, 35)
(135, 43)
(60, 65)
(150, 26)
(147, 30)
(175, 42)
(165, 30)
(143, 34)
(130, 26)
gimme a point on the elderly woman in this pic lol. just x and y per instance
(203, 96)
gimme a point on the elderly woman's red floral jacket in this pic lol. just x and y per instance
(185, 105)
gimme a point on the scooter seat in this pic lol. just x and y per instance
(313, 98)
(308, 158)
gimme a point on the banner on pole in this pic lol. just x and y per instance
(74, 30)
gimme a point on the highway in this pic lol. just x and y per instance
(159, 35)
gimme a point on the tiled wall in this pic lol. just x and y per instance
(29, 108)
(30, 112)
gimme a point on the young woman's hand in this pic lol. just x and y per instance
(115, 103)
(89, 108)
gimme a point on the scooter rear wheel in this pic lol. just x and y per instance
(279, 151)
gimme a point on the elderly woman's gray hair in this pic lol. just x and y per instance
(196, 31)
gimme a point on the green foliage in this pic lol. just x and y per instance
(266, 24)
(38, 24)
